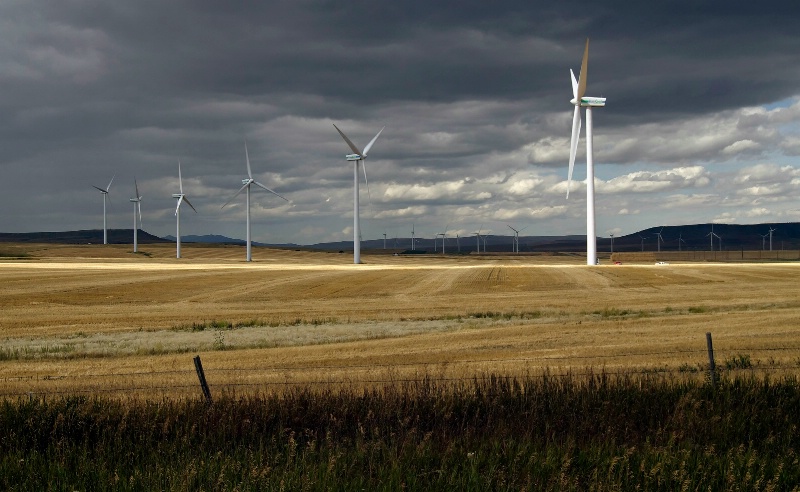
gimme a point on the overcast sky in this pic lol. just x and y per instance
(702, 121)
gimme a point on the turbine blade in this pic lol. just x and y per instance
(371, 142)
(264, 187)
(179, 205)
(247, 159)
(101, 189)
(109, 183)
(364, 165)
(584, 72)
(180, 179)
(237, 194)
(574, 85)
(188, 203)
(139, 208)
(136, 187)
(349, 143)
(573, 145)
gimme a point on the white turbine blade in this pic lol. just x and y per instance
(188, 203)
(109, 183)
(178, 207)
(371, 142)
(247, 158)
(180, 179)
(347, 140)
(136, 187)
(101, 189)
(364, 165)
(139, 208)
(237, 194)
(573, 145)
(584, 72)
(274, 193)
(574, 85)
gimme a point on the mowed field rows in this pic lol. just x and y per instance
(81, 313)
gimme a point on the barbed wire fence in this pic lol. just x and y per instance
(701, 362)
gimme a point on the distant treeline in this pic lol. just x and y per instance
(493, 433)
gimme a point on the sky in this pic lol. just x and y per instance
(702, 121)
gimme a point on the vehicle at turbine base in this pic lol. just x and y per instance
(662, 263)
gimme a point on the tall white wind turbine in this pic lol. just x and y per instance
(246, 186)
(137, 208)
(181, 198)
(579, 100)
(105, 197)
(357, 157)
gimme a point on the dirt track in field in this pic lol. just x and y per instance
(295, 311)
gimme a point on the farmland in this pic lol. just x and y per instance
(424, 372)
(73, 318)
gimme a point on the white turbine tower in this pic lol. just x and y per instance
(105, 197)
(659, 239)
(246, 186)
(181, 198)
(137, 207)
(771, 230)
(357, 157)
(579, 100)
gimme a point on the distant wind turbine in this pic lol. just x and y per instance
(104, 191)
(515, 243)
(357, 157)
(246, 186)
(680, 240)
(711, 235)
(137, 207)
(771, 230)
(763, 240)
(659, 239)
(612, 243)
(579, 100)
(181, 198)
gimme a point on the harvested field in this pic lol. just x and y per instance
(91, 318)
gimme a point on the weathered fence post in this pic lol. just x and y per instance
(712, 367)
(202, 377)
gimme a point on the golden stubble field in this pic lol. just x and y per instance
(101, 319)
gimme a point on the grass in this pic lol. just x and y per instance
(490, 433)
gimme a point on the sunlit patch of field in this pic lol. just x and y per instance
(86, 312)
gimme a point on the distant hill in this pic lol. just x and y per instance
(218, 239)
(91, 236)
(786, 235)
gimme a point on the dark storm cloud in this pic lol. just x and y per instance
(93, 88)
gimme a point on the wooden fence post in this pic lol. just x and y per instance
(202, 377)
(712, 367)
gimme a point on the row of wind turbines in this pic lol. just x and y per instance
(358, 158)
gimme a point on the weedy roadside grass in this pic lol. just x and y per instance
(546, 432)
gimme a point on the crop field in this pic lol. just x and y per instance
(102, 319)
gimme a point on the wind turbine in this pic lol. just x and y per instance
(711, 235)
(771, 230)
(642, 242)
(660, 239)
(579, 100)
(413, 238)
(444, 235)
(384, 240)
(181, 198)
(680, 240)
(763, 240)
(246, 185)
(515, 242)
(137, 207)
(612, 243)
(478, 237)
(105, 196)
(357, 157)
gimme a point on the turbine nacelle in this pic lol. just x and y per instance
(595, 102)
(353, 157)
(178, 195)
(247, 181)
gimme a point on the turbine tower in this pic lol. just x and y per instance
(711, 235)
(771, 230)
(579, 100)
(137, 207)
(105, 197)
(181, 198)
(357, 157)
(246, 185)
